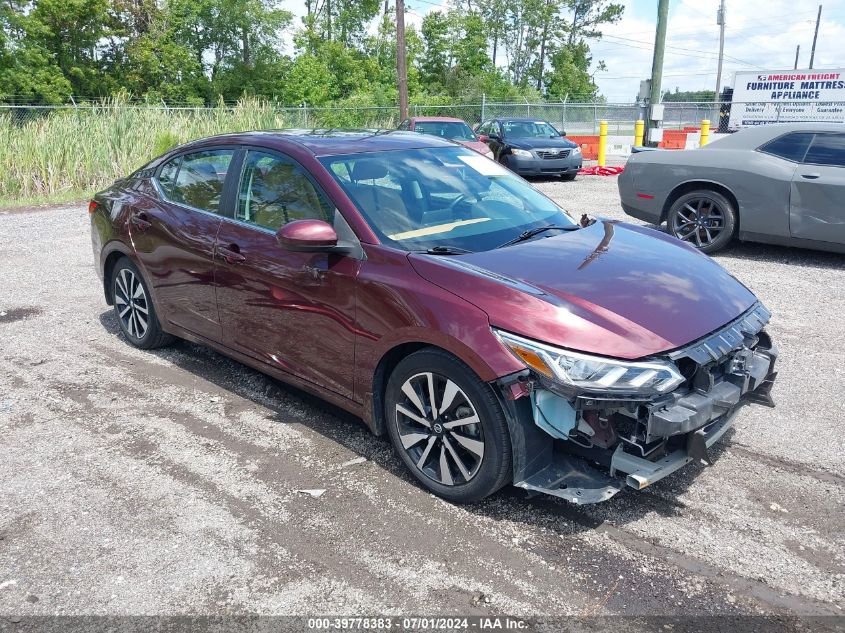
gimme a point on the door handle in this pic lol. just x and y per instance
(812, 176)
(231, 253)
(140, 221)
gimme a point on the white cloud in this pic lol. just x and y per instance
(760, 34)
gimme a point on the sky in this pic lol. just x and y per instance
(759, 35)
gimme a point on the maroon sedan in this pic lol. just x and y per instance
(449, 128)
(445, 301)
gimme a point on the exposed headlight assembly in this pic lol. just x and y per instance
(584, 372)
(521, 152)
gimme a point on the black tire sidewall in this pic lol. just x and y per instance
(495, 469)
(153, 333)
(730, 218)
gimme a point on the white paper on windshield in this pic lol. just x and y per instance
(435, 230)
(484, 165)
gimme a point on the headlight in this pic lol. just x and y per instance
(521, 152)
(593, 373)
(576, 151)
(488, 154)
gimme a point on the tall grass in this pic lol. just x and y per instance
(58, 153)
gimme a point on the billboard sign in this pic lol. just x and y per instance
(782, 96)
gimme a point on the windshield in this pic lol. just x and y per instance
(528, 129)
(453, 130)
(419, 199)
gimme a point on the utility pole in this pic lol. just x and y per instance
(401, 67)
(815, 36)
(797, 50)
(657, 64)
(720, 20)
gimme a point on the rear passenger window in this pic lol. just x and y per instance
(827, 149)
(198, 179)
(789, 146)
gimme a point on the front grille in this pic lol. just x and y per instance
(549, 154)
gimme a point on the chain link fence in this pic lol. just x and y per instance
(52, 150)
(574, 118)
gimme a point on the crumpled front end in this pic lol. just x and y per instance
(586, 446)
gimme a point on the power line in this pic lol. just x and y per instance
(682, 50)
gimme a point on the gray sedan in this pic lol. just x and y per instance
(780, 184)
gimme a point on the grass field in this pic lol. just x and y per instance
(67, 153)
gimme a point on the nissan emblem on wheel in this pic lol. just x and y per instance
(491, 335)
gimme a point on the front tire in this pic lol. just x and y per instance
(447, 427)
(704, 218)
(134, 309)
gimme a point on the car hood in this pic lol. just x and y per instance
(611, 289)
(535, 143)
(478, 146)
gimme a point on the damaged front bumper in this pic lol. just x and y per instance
(607, 444)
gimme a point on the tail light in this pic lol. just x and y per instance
(92, 206)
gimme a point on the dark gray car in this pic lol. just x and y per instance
(531, 147)
(780, 184)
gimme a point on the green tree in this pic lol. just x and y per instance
(29, 71)
(689, 96)
(434, 62)
(569, 77)
(470, 44)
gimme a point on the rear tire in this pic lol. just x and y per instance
(134, 309)
(455, 459)
(704, 218)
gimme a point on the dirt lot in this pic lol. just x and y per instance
(161, 483)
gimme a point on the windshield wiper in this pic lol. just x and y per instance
(527, 235)
(446, 250)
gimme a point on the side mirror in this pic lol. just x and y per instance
(309, 236)
(483, 138)
(563, 132)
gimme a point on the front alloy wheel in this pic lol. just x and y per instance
(447, 426)
(439, 429)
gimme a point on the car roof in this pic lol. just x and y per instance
(426, 119)
(520, 119)
(328, 142)
(753, 136)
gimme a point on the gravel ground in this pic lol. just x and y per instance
(166, 482)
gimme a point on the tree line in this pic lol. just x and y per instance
(339, 52)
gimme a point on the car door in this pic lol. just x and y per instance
(292, 310)
(174, 237)
(817, 200)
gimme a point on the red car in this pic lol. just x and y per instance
(441, 298)
(449, 128)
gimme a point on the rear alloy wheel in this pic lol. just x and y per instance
(706, 219)
(134, 310)
(447, 427)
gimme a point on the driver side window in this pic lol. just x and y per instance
(275, 190)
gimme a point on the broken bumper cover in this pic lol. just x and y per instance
(574, 479)
(735, 366)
